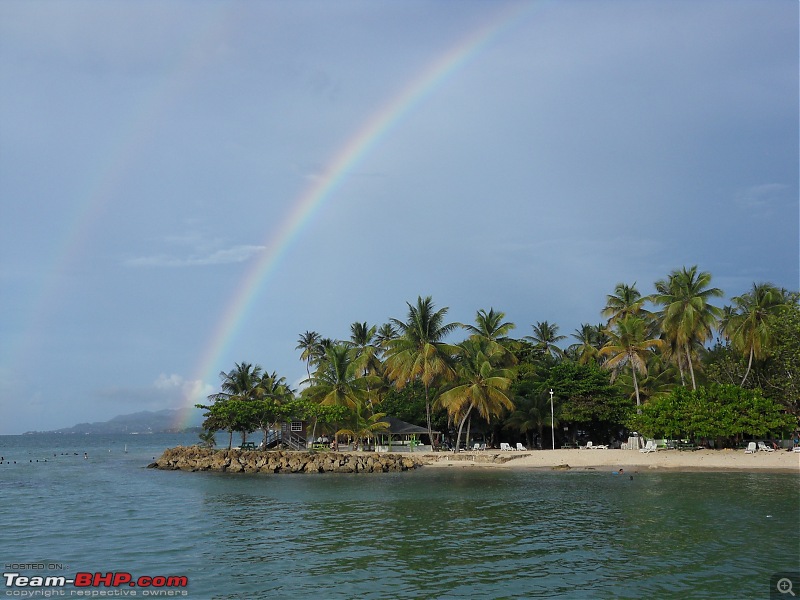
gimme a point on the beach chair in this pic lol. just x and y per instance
(650, 446)
(521, 448)
(504, 447)
(751, 448)
(764, 447)
(588, 446)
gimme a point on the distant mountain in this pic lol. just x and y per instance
(162, 421)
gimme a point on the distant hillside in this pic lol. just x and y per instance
(162, 421)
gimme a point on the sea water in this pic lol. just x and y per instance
(430, 533)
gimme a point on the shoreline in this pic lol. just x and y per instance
(194, 458)
(578, 459)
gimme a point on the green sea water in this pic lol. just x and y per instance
(436, 533)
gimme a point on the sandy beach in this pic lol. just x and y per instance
(630, 460)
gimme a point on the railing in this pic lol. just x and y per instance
(285, 438)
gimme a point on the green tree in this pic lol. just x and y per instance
(419, 351)
(337, 381)
(584, 396)
(544, 339)
(532, 414)
(748, 326)
(724, 413)
(239, 385)
(311, 350)
(482, 385)
(590, 339)
(687, 317)
(626, 300)
(363, 426)
(489, 326)
(366, 353)
(629, 346)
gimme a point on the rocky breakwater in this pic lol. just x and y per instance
(195, 458)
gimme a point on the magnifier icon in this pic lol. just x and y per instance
(785, 586)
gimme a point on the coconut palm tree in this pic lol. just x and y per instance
(385, 333)
(629, 346)
(748, 325)
(309, 344)
(687, 317)
(242, 383)
(489, 326)
(586, 350)
(532, 414)
(364, 427)
(544, 338)
(482, 384)
(419, 351)
(365, 351)
(337, 381)
(626, 300)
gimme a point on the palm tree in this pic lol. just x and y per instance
(586, 350)
(626, 300)
(748, 326)
(274, 393)
(242, 383)
(629, 346)
(364, 345)
(545, 337)
(419, 352)
(309, 343)
(532, 414)
(688, 318)
(337, 381)
(385, 333)
(482, 384)
(489, 326)
(361, 427)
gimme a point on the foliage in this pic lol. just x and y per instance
(721, 412)
(419, 351)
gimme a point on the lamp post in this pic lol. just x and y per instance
(552, 419)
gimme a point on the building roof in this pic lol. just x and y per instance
(398, 427)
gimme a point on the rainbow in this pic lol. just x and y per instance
(350, 154)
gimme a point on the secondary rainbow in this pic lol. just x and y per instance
(351, 153)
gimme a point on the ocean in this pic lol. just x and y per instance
(437, 533)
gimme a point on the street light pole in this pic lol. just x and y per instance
(552, 419)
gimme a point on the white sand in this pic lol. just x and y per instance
(716, 460)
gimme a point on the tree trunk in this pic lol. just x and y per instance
(428, 416)
(691, 368)
(636, 389)
(469, 424)
(749, 364)
(460, 427)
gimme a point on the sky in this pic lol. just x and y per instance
(188, 185)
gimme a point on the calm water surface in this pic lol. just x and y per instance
(426, 534)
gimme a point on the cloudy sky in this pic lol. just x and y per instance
(187, 185)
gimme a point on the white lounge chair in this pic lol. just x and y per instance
(650, 446)
(521, 448)
(504, 447)
(751, 448)
(765, 448)
(590, 446)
